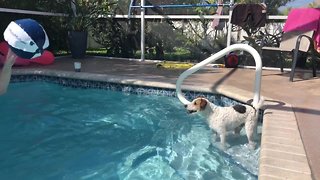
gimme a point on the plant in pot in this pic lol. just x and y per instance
(78, 27)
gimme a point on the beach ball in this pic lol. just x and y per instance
(26, 38)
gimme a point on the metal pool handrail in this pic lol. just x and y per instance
(216, 56)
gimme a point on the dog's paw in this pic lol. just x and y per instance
(224, 147)
(214, 138)
(252, 145)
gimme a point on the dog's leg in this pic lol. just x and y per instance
(223, 139)
(250, 128)
(255, 129)
(214, 136)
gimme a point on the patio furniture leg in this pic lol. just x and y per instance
(313, 61)
(294, 63)
(281, 58)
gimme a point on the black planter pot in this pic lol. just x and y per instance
(78, 43)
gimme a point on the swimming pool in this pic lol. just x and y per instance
(53, 132)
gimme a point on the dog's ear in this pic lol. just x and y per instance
(203, 103)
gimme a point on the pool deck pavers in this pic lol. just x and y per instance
(291, 130)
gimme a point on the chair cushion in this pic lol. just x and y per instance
(275, 49)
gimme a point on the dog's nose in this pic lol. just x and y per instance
(185, 105)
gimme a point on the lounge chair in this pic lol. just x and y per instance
(294, 42)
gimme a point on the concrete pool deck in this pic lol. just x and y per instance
(290, 142)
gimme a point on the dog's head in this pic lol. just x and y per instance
(197, 105)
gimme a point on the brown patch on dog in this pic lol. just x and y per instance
(240, 108)
(203, 104)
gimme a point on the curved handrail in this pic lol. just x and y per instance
(216, 56)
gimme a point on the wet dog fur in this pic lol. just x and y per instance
(224, 119)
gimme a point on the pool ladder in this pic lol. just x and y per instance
(223, 52)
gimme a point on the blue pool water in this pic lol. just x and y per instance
(53, 132)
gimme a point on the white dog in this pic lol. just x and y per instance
(232, 118)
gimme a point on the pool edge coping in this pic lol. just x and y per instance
(282, 154)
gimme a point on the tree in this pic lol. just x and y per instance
(115, 35)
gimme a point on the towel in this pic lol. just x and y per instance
(304, 19)
(249, 15)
